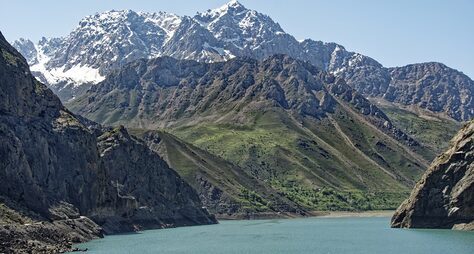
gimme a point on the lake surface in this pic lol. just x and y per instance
(309, 235)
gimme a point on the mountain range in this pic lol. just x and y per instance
(292, 128)
(161, 119)
(107, 41)
(250, 117)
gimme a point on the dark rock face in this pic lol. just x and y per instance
(444, 197)
(432, 86)
(140, 190)
(56, 167)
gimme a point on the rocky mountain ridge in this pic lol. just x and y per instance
(163, 91)
(106, 41)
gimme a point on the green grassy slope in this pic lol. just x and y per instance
(434, 132)
(224, 187)
(274, 160)
(336, 163)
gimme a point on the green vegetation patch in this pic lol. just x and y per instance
(308, 161)
(330, 199)
(434, 133)
(252, 201)
(251, 146)
(9, 58)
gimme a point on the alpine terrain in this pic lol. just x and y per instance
(106, 41)
(297, 132)
(255, 122)
(285, 125)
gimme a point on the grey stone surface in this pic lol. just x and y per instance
(444, 197)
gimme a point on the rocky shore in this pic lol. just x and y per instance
(47, 237)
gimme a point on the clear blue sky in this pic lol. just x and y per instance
(394, 32)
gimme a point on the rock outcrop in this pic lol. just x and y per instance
(58, 167)
(431, 86)
(56, 236)
(444, 197)
(139, 190)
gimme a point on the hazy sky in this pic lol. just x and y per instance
(393, 32)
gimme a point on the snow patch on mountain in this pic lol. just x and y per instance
(78, 74)
(167, 21)
(221, 51)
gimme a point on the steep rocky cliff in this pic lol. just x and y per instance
(444, 197)
(139, 191)
(56, 167)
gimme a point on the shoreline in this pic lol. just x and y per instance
(320, 214)
(361, 214)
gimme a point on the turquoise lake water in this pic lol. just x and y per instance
(310, 235)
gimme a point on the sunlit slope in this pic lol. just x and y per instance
(275, 126)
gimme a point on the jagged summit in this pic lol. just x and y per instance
(239, 26)
(231, 6)
(166, 21)
(234, 4)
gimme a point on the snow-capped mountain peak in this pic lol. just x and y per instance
(106, 41)
(100, 43)
(239, 26)
(233, 7)
(234, 4)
